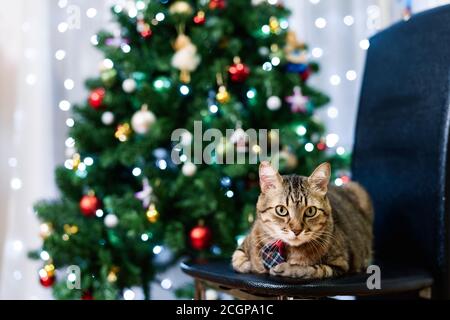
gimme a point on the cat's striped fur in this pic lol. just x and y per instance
(337, 239)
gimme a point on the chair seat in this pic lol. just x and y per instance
(394, 279)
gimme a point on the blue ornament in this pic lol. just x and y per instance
(225, 182)
(296, 67)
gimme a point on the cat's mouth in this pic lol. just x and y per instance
(295, 240)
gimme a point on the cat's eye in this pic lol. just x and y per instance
(310, 212)
(281, 211)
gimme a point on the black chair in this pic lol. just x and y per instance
(401, 157)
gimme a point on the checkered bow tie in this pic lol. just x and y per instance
(272, 254)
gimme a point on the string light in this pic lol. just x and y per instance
(60, 54)
(129, 294)
(301, 130)
(88, 161)
(332, 112)
(166, 284)
(160, 16)
(364, 44)
(321, 23)
(16, 184)
(351, 75)
(70, 122)
(69, 84)
(136, 172)
(157, 249)
(338, 182)
(91, 12)
(144, 237)
(99, 213)
(213, 108)
(94, 40)
(309, 147)
(340, 151)
(317, 52)
(349, 20)
(62, 27)
(332, 140)
(335, 80)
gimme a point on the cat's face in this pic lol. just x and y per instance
(294, 209)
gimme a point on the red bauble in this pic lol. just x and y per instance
(321, 146)
(47, 281)
(89, 204)
(96, 98)
(200, 237)
(87, 296)
(239, 72)
(217, 4)
(200, 18)
(305, 74)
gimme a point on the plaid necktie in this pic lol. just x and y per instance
(272, 254)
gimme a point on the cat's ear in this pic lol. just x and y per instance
(269, 178)
(319, 179)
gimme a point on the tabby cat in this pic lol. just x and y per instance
(306, 228)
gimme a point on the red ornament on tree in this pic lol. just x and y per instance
(47, 281)
(96, 98)
(200, 18)
(200, 237)
(87, 296)
(238, 71)
(144, 28)
(89, 204)
(306, 74)
(217, 4)
(321, 146)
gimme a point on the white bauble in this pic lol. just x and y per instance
(111, 220)
(257, 2)
(189, 169)
(142, 121)
(107, 118)
(211, 294)
(129, 85)
(274, 103)
(186, 138)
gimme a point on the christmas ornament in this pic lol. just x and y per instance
(274, 25)
(304, 75)
(152, 214)
(200, 18)
(295, 53)
(111, 221)
(181, 8)
(185, 58)
(258, 2)
(211, 294)
(123, 132)
(273, 103)
(45, 230)
(70, 229)
(145, 195)
(76, 160)
(217, 4)
(238, 71)
(189, 169)
(200, 237)
(89, 204)
(112, 275)
(223, 96)
(321, 146)
(297, 101)
(142, 120)
(96, 98)
(108, 77)
(107, 118)
(87, 295)
(144, 29)
(129, 85)
(47, 275)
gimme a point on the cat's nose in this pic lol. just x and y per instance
(297, 231)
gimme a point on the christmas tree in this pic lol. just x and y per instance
(227, 64)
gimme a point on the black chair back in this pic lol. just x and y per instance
(401, 144)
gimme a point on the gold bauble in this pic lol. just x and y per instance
(152, 214)
(181, 7)
(123, 132)
(223, 96)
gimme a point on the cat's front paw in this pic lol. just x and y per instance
(287, 270)
(240, 262)
(283, 270)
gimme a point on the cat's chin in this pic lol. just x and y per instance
(295, 242)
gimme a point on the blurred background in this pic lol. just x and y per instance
(45, 56)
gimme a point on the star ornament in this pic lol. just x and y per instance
(297, 101)
(145, 195)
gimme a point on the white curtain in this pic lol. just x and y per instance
(33, 82)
